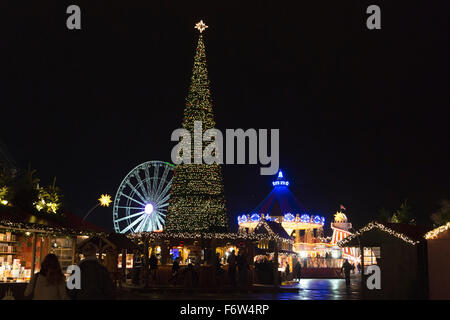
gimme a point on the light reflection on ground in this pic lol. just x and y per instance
(309, 289)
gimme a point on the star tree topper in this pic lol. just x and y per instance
(201, 26)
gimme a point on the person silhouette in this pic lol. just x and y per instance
(49, 283)
(346, 267)
(96, 284)
(153, 261)
(232, 268)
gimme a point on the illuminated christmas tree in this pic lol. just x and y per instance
(197, 202)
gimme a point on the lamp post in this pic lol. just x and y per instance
(103, 201)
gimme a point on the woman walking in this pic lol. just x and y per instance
(49, 283)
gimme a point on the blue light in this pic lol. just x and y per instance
(175, 253)
(317, 219)
(255, 217)
(323, 220)
(244, 218)
(305, 218)
(289, 217)
(280, 174)
(280, 183)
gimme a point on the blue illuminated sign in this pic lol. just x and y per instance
(280, 183)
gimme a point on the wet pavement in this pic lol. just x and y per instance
(308, 289)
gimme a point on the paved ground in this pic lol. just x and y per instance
(308, 289)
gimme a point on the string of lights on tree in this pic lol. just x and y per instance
(47, 200)
(197, 202)
(379, 226)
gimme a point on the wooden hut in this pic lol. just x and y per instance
(25, 239)
(399, 250)
(438, 244)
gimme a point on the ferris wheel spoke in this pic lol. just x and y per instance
(163, 179)
(148, 180)
(130, 216)
(142, 224)
(156, 224)
(163, 199)
(135, 222)
(160, 214)
(135, 208)
(136, 191)
(164, 192)
(142, 187)
(152, 224)
(163, 205)
(143, 204)
(159, 224)
(160, 218)
(156, 177)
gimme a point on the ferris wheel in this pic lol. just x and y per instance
(142, 198)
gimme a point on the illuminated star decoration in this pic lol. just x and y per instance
(105, 200)
(201, 26)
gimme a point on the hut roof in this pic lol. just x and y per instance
(114, 240)
(409, 233)
(442, 232)
(65, 224)
(272, 227)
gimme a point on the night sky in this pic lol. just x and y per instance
(362, 114)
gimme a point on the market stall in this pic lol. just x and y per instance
(26, 239)
(116, 253)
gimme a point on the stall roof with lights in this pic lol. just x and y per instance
(375, 233)
(272, 228)
(67, 224)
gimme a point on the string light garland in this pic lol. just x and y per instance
(272, 233)
(141, 236)
(433, 234)
(379, 226)
(197, 202)
(52, 230)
